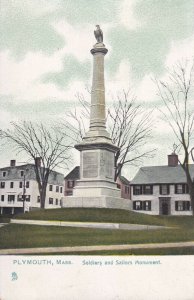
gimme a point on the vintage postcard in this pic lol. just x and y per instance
(96, 149)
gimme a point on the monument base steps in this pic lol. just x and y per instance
(97, 202)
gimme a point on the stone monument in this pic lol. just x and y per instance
(96, 187)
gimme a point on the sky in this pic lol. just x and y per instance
(45, 58)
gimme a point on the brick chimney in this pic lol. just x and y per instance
(12, 163)
(173, 160)
(38, 161)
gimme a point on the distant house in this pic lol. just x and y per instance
(124, 185)
(162, 190)
(70, 181)
(19, 182)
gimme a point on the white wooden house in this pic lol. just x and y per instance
(19, 182)
(162, 190)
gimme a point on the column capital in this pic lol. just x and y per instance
(99, 48)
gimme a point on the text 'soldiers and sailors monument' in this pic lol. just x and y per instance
(96, 187)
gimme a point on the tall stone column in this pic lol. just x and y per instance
(98, 108)
(97, 113)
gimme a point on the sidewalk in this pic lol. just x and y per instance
(75, 249)
(89, 224)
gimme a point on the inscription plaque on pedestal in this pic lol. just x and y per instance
(90, 164)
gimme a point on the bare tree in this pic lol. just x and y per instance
(129, 126)
(177, 95)
(37, 141)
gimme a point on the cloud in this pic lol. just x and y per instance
(87, 12)
(146, 90)
(27, 26)
(180, 50)
(126, 15)
(147, 46)
(22, 79)
(72, 70)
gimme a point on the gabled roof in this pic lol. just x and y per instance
(161, 174)
(74, 174)
(124, 180)
(13, 173)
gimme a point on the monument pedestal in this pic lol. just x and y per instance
(96, 187)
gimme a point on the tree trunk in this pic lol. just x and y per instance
(190, 185)
(191, 193)
(43, 195)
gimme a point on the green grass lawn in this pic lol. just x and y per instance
(104, 215)
(27, 236)
(158, 251)
(5, 218)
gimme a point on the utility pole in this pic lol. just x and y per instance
(24, 192)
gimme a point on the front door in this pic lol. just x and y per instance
(164, 206)
(165, 209)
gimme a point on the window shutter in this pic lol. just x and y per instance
(183, 188)
(134, 205)
(160, 189)
(168, 189)
(151, 189)
(175, 189)
(141, 190)
(188, 205)
(149, 205)
(184, 205)
(187, 189)
(176, 205)
(133, 190)
(141, 205)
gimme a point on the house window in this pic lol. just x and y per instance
(20, 198)
(61, 189)
(2, 197)
(164, 189)
(2, 184)
(50, 200)
(11, 185)
(50, 187)
(181, 189)
(27, 184)
(21, 173)
(137, 190)
(70, 183)
(147, 189)
(182, 205)
(146, 205)
(4, 174)
(38, 199)
(137, 205)
(178, 189)
(11, 198)
(142, 205)
(126, 189)
(57, 189)
(118, 186)
(56, 201)
(20, 184)
(27, 198)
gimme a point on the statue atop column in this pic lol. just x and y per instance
(98, 34)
